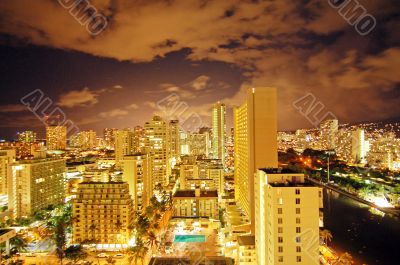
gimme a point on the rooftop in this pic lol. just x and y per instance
(291, 184)
(247, 240)
(192, 193)
(280, 171)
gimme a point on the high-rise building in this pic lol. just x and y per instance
(359, 146)
(7, 157)
(328, 134)
(27, 137)
(36, 184)
(103, 212)
(184, 143)
(109, 137)
(123, 145)
(56, 137)
(287, 222)
(255, 143)
(137, 170)
(156, 145)
(199, 144)
(218, 131)
(138, 139)
(86, 140)
(174, 146)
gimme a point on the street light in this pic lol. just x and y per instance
(329, 153)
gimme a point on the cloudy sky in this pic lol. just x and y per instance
(203, 51)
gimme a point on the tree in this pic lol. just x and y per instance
(110, 260)
(326, 235)
(152, 240)
(59, 224)
(75, 253)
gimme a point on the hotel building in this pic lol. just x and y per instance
(36, 184)
(255, 137)
(287, 218)
(103, 212)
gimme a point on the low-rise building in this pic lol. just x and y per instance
(196, 203)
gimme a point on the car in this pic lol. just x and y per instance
(119, 256)
(102, 255)
(31, 255)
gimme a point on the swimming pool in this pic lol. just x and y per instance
(190, 239)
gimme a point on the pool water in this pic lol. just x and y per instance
(190, 239)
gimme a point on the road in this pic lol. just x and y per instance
(44, 259)
(393, 211)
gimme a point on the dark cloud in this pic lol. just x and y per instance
(297, 46)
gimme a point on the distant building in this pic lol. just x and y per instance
(184, 143)
(85, 140)
(219, 131)
(103, 212)
(196, 203)
(328, 134)
(359, 146)
(36, 184)
(199, 144)
(138, 139)
(255, 143)
(123, 145)
(56, 137)
(287, 219)
(109, 137)
(174, 140)
(27, 137)
(137, 170)
(206, 174)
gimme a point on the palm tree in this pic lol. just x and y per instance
(75, 253)
(152, 240)
(326, 235)
(345, 259)
(92, 229)
(110, 260)
(131, 254)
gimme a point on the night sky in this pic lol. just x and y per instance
(204, 51)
